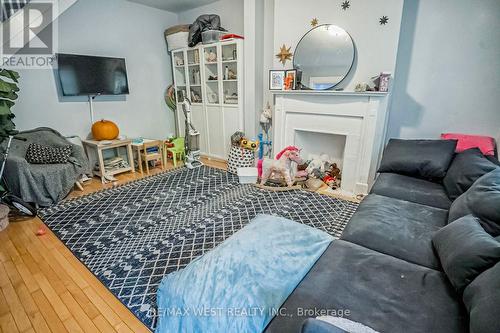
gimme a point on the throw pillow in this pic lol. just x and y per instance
(465, 250)
(482, 298)
(427, 159)
(482, 199)
(464, 170)
(39, 154)
(465, 141)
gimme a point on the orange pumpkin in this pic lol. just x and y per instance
(105, 130)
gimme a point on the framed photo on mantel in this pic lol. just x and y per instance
(276, 79)
(290, 79)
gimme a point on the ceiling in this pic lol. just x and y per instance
(174, 6)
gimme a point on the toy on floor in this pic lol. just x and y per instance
(236, 138)
(264, 146)
(41, 231)
(248, 144)
(281, 166)
(318, 165)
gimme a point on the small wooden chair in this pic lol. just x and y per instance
(178, 150)
(154, 156)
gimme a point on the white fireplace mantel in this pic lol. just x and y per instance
(360, 117)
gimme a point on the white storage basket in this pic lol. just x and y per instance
(248, 175)
(240, 158)
(177, 40)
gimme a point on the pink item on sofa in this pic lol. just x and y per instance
(485, 143)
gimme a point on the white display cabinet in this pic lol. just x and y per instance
(211, 75)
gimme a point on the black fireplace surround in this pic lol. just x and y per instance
(421, 254)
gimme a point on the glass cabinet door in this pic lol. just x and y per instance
(194, 76)
(211, 74)
(230, 73)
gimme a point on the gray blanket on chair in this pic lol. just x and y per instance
(44, 184)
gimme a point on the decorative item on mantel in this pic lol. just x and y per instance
(276, 79)
(382, 81)
(290, 80)
(362, 87)
(284, 54)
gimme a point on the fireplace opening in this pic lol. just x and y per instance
(324, 152)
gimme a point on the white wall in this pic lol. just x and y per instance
(447, 76)
(230, 12)
(110, 28)
(376, 45)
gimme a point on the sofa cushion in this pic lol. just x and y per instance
(311, 325)
(465, 169)
(379, 291)
(411, 189)
(481, 200)
(427, 159)
(482, 299)
(465, 250)
(398, 228)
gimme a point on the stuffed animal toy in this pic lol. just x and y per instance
(330, 181)
(236, 138)
(318, 162)
(334, 171)
(281, 166)
(247, 144)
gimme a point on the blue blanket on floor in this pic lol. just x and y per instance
(240, 285)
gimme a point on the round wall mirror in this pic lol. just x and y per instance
(325, 56)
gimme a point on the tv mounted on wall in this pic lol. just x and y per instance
(83, 75)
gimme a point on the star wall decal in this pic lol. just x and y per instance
(284, 54)
(383, 20)
(314, 22)
(345, 5)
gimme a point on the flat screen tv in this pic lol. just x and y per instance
(90, 75)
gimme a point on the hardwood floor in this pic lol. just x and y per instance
(45, 288)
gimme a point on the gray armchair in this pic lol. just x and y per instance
(43, 184)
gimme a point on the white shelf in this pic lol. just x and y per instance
(329, 92)
(232, 80)
(228, 61)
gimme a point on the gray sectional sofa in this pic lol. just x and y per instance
(420, 253)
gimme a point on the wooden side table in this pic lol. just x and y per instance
(99, 147)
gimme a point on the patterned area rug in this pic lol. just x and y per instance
(131, 236)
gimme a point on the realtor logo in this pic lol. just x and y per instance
(29, 34)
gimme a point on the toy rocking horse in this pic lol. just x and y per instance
(281, 166)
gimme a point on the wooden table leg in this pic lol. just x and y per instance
(139, 161)
(130, 157)
(102, 170)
